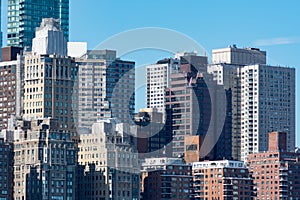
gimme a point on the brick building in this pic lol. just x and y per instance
(166, 178)
(10, 85)
(195, 107)
(276, 171)
(222, 180)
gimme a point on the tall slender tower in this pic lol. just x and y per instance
(1, 31)
(158, 79)
(49, 78)
(226, 68)
(25, 15)
(196, 108)
(268, 104)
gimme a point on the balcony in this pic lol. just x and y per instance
(198, 190)
(227, 193)
(166, 186)
(283, 179)
(283, 173)
(166, 193)
(283, 169)
(197, 183)
(283, 190)
(198, 173)
(228, 188)
(283, 195)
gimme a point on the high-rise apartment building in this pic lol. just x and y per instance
(224, 180)
(26, 15)
(10, 85)
(44, 161)
(263, 97)
(49, 86)
(226, 68)
(50, 80)
(166, 178)
(196, 105)
(268, 104)
(181, 118)
(158, 79)
(228, 76)
(1, 34)
(276, 171)
(105, 88)
(109, 150)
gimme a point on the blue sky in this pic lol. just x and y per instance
(272, 26)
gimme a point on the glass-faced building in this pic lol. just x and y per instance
(0, 32)
(25, 15)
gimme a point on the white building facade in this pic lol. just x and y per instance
(49, 78)
(263, 97)
(105, 88)
(238, 56)
(268, 104)
(1, 39)
(158, 79)
(49, 38)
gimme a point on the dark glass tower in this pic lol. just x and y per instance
(0, 32)
(25, 15)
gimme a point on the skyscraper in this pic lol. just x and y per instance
(49, 38)
(183, 116)
(26, 15)
(228, 75)
(158, 79)
(49, 80)
(263, 97)
(1, 39)
(195, 106)
(48, 88)
(226, 68)
(268, 104)
(105, 88)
